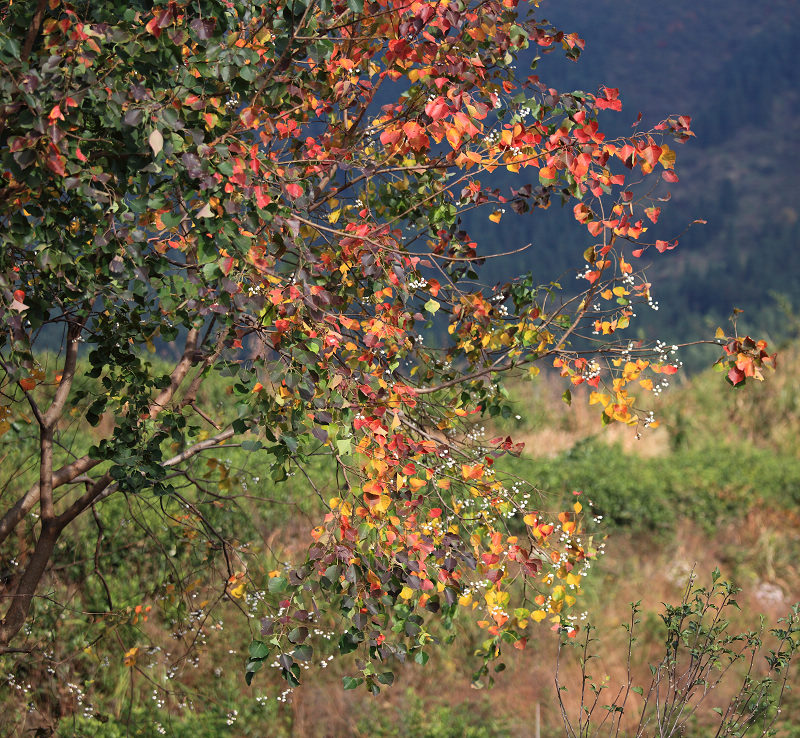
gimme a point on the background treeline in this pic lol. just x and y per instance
(730, 66)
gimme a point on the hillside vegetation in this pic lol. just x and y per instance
(147, 649)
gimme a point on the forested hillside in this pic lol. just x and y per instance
(729, 65)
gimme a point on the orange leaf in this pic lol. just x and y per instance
(472, 472)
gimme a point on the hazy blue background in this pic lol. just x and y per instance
(732, 66)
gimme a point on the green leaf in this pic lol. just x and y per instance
(303, 653)
(349, 682)
(357, 6)
(277, 584)
(567, 397)
(258, 650)
(387, 677)
(432, 306)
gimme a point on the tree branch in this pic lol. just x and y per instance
(33, 31)
(178, 374)
(25, 503)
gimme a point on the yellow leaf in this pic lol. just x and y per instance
(495, 216)
(238, 591)
(577, 507)
(465, 600)
(538, 615)
(667, 158)
(129, 659)
(406, 593)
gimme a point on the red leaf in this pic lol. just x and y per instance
(437, 108)
(56, 164)
(391, 136)
(262, 199)
(736, 376)
(294, 190)
(610, 99)
(669, 175)
(653, 213)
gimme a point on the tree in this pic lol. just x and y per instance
(278, 188)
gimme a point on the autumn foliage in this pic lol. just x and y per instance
(278, 187)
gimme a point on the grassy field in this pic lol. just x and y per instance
(718, 485)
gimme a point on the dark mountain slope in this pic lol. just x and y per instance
(730, 65)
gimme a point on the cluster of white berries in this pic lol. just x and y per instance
(475, 433)
(157, 699)
(476, 586)
(80, 698)
(664, 351)
(591, 370)
(660, 387)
